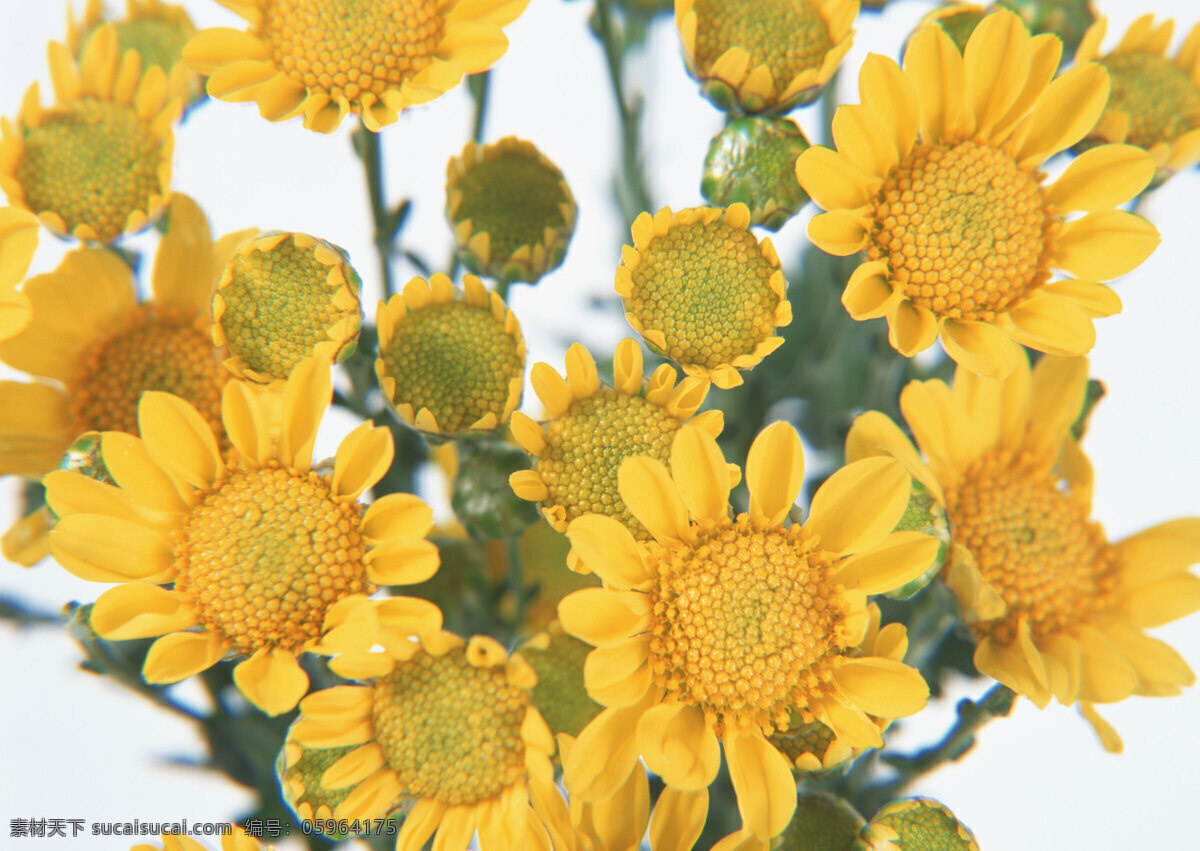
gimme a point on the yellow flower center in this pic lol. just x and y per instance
(1160, 99)
(451, 731)
(266, 553)
(93, 162)
(745, 621)
(346, 47)
(456, 360)
(159, 42)
(963, 229)
(788, 36)
(153, 349)
(1032, 541)
(278, 306)
(513, 197)
(585, 448)
(706, 287)
(560, 694)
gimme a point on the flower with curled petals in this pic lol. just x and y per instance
(449, 727)
(727, 630)
(96, 164)
(1057, 611)
(593, 428)
(256, 550)
(935, 180)
(325, 59)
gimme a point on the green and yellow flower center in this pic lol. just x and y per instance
(585, 448)
(560, 694)
(706, 288)
(153, 349)
(745, 621)
(922, 823)
(811, 738)
(1032, 541)
(280, 303)
(964, 230)
(788, 36)
(451, 731)
(456, 360)
(1160, 99)
(300, 782)
(92, 162)
(159, 42)
(347, 47)
(513, 197)
(266, 553)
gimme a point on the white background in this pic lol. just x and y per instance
(75, 746)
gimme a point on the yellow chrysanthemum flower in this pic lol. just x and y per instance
(1155, 101)
(97, 164)
(18, 242)
(773, 55)
(157, 31)
(593, 428)
(257, 549)
(702, 290)
(324, 59)
(935, 179)
(449, 364)
(728, 629)
(284, 297)
(236, 840)
(450, 726)
(1058, 611)
(512, 212)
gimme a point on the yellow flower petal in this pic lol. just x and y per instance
(859, 505)
(306, 395)
(245, 423)
(832, 180)
(582, 377)
(354, 767)
(700, 473)
(874, 433)
(762, 780)
(550, 387)
(1107, 675)
(935, 66)
(1109, 738)
(678, 744)
(839, 232)
(272, 680)
(136, 610)
(862, 136)
(362, 459)
(900, 558)
(396, 515)
(911, 329)
(678, 819)
(981, 347)
(602, 617)
(1105, 245)
(108, 549)
(178, 656)
(619, 674)
(1159, 552)
(179, 439)
(882, 687)
(605, 753)
(143, 481)
(610, 551)
(651, 496)
(1068, 108)
(996, 60)
(881, 81)
(402, 561)
(1018, 665)
(774, 473)
(1164, 601)
(1102, 178)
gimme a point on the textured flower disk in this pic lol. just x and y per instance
(445, 726)
(512, 212)
(449, 364)
(593, 428)
(729, 630)
(935, 179)
(284, 297)
(96, 164)
(915, 823)
(259, 551)
(1057, 610)
(703, 291)
(772, 56)
(1155, 101)
(325, 59)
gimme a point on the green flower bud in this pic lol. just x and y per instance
(822, 823)
(482, 499)
(916, 824)
(753, 161)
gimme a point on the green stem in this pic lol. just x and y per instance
(479, 85)
(632, 193)
(369, 150)
(516, 583)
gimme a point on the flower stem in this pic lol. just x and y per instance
(479, 86)
(387, 224)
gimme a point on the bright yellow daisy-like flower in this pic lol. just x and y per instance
(512, 212)
(935, 179)
(284, 297)
(772, 55)
(593, 428)
(257, 550)
(449, 364)
(1155, 101)
(18, 242)
(702, 290)
(1057, 610)
(324, 59)
(157, 31)
(97, 164)
(236, 840)
(729, 630)
(449, 726)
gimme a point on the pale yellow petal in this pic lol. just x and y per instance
(1102, 178)
(272, 680)
(899, 559)
(762, 780)
(700, 473)
(774, 473)
(362, 459)
(678, 744)
(606, 546)
(860, 504)
(137, 610)
(179, 439)
(602, 617)
(178, 656)
(652, 497)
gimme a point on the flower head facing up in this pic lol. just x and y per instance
(1057, 610)
(1155, 101)
(702, 290)
(772, 56)
(733, 629)
(943, 196)
(97, 164)
(448, 725)
(259, 549)
(449, 364)
(284, 297)
(593, 428)
(324, 59)
(511, 210)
